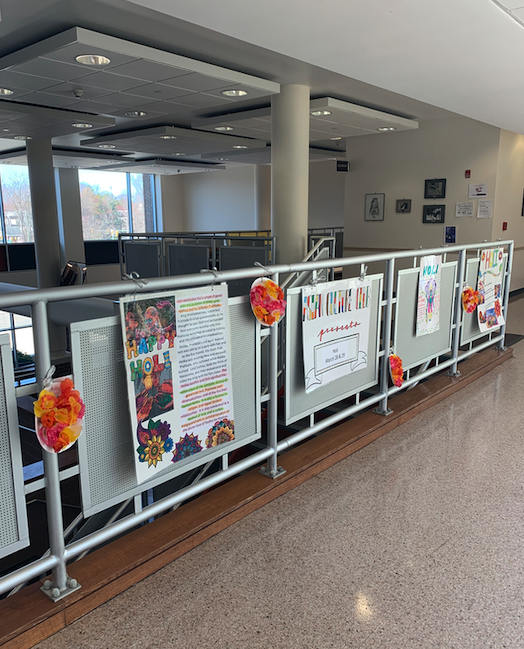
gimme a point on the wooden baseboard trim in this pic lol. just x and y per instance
(29, 616)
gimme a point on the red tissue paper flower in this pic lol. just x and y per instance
(470, 299)
(267, 301)
(59, 413)
(396, 371)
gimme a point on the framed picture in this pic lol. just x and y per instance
(403, 206)
(435, 188)
(374, 210)
(450, 234)
(433, 213)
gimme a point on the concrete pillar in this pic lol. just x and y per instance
(290, 172)
(262, 197)
(45, 213)
(70, 217)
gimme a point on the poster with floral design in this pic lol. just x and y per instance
(428, 304)
(335, 330)
(177, 359)
(489, 308)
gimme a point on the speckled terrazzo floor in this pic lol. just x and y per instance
(414, 541)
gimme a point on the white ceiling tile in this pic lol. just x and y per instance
(147, 70)
(113, 82)
(519, 13)
(52, 69)
(157, 91)
(201, 100)
(68, 90)
(52, 101)
(67, 55)
(201, 83)
(10, 79)
(93, 107)
(123, 100)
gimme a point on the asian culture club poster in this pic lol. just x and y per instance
(335, 330)
(177, 359)
(428, 303)
(489, 287)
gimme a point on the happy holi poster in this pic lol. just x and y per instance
(177, 360)
(335, 330)
(489, 287)
(428, 305)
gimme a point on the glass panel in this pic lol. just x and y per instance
(103, 196)
(137, 202)
(22, 321)
(16, 198)
(5, 320)
(25, 349)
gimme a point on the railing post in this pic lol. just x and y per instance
(386, 337)
(501, 346)
(61, 585)
(272, 470)
(453, 370)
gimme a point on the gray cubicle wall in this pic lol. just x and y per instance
(14, 533)
(415, 350)
(107, 447)
(143, 257)
(186, 258)
(470, 330)
(233, 257)
(298, 403)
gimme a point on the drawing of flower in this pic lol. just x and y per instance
(152, 452)
(267, 301)
(188, 445)
(223, 431)
(396, 371)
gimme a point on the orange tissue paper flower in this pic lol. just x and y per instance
(470, 299)
(396, 371)
(267, 301)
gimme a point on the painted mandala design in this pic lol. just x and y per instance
(223, 431)
(154, 441)
(188, 445)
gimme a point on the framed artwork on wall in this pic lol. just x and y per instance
(435, 188)
(403, 206)
(374, 207)
(433, 213)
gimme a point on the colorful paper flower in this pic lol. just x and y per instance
(498, 309)
(395, 370)
(188, 445)
(59, 413)
(223, 431)
(267, 301)
(470, 299)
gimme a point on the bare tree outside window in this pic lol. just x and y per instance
(16, 197)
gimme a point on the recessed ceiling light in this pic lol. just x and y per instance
(384, 129)
(168, 137)
(106, 146)
(179, 153)
(234, 93)
(22, 137)
(92, 59)
(335, 138)
(223, 128)
(223, 158)
(239, 146)
(320, 113)
(82, 125)
(135, 113)
(6, 91)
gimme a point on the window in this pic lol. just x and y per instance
(114, 202)
(21, 338)
(17, 221)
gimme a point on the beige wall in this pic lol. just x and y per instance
(326, 194)
(397, 164)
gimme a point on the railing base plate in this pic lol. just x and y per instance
(272, 474)
(384, 413)
(55, 594)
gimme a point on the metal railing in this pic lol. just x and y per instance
(60, 553)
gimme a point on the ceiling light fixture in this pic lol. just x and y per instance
(234, 93)
(135, 113)
(179, 153)
(223, 128)
(320, 113)
(92, 59)
(82, 125)
(22, 137)
(335, 138)
(168, 137)
(106, 146)
(239, 146)
(6, 91)
(385, 129)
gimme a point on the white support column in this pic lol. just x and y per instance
(262, 197)
(290, 172)
(45, 214)
(70, 217)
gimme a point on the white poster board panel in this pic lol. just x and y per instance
(428, 306)
(490, 282)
